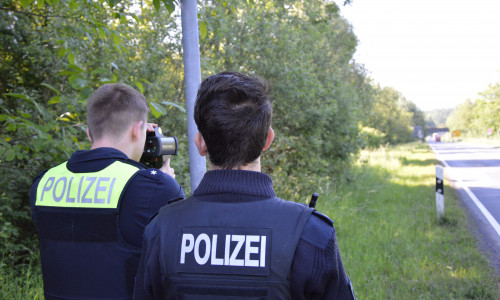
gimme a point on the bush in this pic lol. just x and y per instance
(371, 137)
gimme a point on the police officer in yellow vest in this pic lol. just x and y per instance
(90, 211)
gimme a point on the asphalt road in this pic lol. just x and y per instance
(474, 171)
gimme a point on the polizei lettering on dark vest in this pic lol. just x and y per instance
(221, 250)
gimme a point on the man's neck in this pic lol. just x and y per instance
(253, 166)
(111, 144)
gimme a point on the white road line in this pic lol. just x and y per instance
(476, 201)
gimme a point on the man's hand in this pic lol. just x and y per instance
(151, 127)
(166, 164)
(166, 167)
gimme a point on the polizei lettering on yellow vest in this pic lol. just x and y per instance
(61, 188)
(224, 250)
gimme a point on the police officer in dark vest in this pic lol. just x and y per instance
(90, 211)
(233, 238)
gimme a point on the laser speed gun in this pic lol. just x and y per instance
(156, 147)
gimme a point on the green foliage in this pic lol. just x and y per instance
(304, 49)
(371, 137)
(21, 279)
(480, 117)
(438, 117)
(32, 134)
(461, 117)
(417, 116)
(54, 54)
(393, 115)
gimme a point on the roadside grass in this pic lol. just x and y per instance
(491, 140)
(22, 281)
(391, 242)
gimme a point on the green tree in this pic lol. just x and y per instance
(390, 115)
(461, 117)
(480, 117)
(488, 109)
(54, 54)
(304, 49)
(418, 116)
(438, 117)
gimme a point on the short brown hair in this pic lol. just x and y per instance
(112, 108)
(233, 112)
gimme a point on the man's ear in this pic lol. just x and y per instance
(200, 144)
(136, 130)
(88, 135)
(269, 139)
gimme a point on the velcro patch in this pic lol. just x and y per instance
(224, 250)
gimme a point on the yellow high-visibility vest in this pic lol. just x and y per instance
(60, 187)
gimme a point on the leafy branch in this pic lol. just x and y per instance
(36, 14)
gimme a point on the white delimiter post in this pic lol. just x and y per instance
(439, 191)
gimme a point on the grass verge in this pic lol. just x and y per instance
(392, 244)
(492, 140)
(22, 281)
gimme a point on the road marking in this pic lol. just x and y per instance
(476, 201)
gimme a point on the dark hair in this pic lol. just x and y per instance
(233, 113)
(112, 108)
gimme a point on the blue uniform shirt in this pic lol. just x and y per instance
(147, 191)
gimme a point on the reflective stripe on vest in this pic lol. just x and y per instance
(60, 187)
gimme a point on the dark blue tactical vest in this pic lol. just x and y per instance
(83, 254)
(229, 250)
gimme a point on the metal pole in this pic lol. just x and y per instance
(192, 79)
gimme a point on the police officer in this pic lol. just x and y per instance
(90, 211)
(233, 238)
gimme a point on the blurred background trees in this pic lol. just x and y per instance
(481, 117)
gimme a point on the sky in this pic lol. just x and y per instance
(437, 53)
